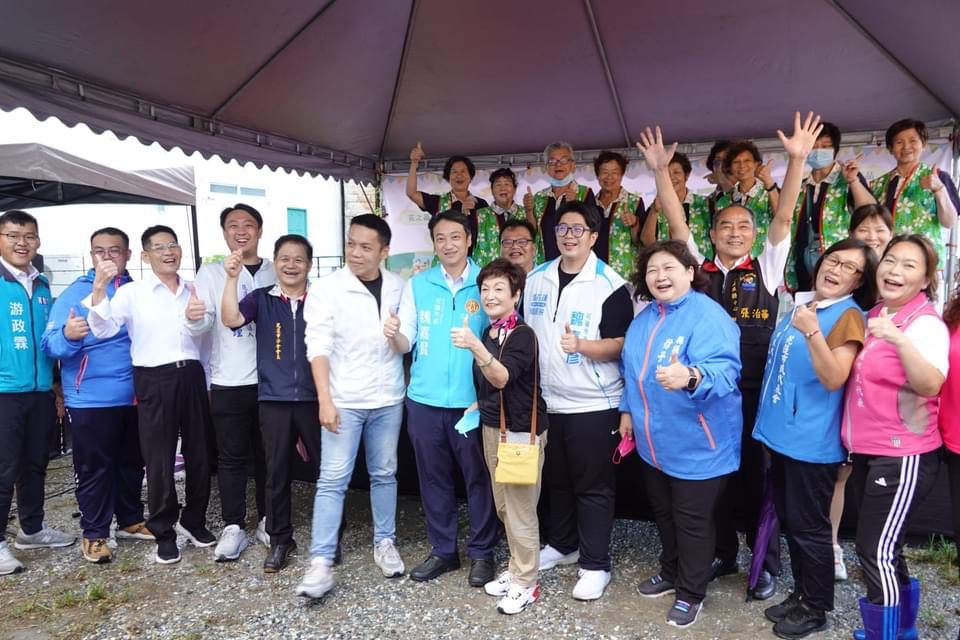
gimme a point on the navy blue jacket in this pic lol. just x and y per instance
(282, 364)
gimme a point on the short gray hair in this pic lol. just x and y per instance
(556, 146)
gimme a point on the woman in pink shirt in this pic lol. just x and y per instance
(890, 428)
(950, 409)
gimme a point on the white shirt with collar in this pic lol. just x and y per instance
(739, 197)
(155, 320)
(25, 278)
(455, 283)
(233, 352)
(828, 181)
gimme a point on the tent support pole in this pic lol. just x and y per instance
(195, 237)
(602, 52)
(889, 54)
(343, 222)
(396, 83)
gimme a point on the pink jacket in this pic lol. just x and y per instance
(882, 415)
(950, 397)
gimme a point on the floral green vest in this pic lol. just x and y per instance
(540, 200)
(915, 211)
(623, 251)
(758, 199)
(486, 246)
(834, 222)
(699, 222)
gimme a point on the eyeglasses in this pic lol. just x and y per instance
(521, 243)
(849, 268)
(576, 229)
(556, 162)
(26, 238)
(113, 252)
(170, 246)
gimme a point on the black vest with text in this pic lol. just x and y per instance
(745, 297)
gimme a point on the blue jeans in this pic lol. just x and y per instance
(380, 430)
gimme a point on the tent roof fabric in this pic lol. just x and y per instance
(34, 175)
(336, 87)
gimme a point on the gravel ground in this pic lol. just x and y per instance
(61, 596)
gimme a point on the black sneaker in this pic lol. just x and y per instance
(655, 587)
(801, 622)
(199, 537)
(167, 552)
(778, 612)
(720, 567)
(683, 614)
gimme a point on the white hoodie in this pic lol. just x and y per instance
(343, 324)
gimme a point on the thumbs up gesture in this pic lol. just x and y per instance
(462, 337)
(805, 318)
(76, 326)
(764, 174)
(391, 326)
(417, 154)
(528, 200)
(233, 264)
(883, 327)
(195, 306)
(674, 376)
(104, 272)
(931, 183)
(569, 341)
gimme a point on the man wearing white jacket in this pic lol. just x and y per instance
(360, 389)
(233, 379)
(580, 310)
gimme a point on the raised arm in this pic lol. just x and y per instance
(658, 159)
(230, 314)
(798, 147)
(859, 190)
(413, 192)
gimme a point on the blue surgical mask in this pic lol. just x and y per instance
(820, 158)
(559, 183)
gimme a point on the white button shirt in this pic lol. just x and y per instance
(155, 319)
(25, 278)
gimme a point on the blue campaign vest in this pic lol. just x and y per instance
(23, 365)
(442, 374)
(798, 417)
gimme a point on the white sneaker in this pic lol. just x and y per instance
(262, 536)
(591, 584)
(839, 569)
(386, 556)
(8, 563)
(518, 598)
(500, 586)
(318, 580)
(43, 539)
(233, 540)
(550, 557)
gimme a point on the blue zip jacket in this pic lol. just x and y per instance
(799, 417)
(282, 364)
(691, 436)
(93, 372)
(442, 374)
(24, 367)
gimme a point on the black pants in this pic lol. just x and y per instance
(172, 403)
(953, 469)
(26, 420)
(802, 493)
(236, 420)
(743, 495)
(683, 510)
(582, 484)
(281, 423)
(108, 467)
(886, 489)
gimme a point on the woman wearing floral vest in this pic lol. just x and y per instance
(890, 428)
(620, 210)
(923, 199)
(491, 220)
(696, 208)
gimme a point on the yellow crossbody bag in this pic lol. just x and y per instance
(519, 463)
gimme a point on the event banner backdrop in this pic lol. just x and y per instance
(411, 249)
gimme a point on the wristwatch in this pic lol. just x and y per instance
(692, 380)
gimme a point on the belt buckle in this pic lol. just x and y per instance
(180, 364)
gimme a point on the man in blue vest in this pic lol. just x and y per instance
(27, 410)
(441, 388)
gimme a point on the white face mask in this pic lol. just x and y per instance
(820, 158)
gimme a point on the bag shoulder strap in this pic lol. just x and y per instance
(534, 395)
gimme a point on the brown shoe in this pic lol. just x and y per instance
(96, 551)
(136, 531)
